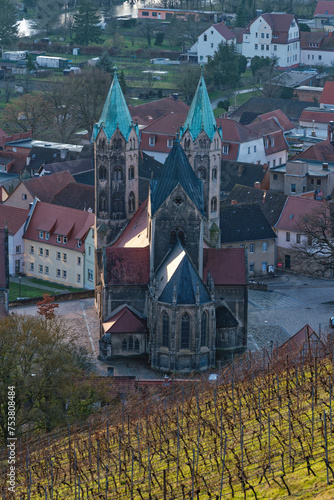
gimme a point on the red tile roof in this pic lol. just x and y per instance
(323, 7)
(233, 131)
(327, 95)
(163, 128)
(281, 118)
(125, 321)
(294, 209)
(226, 265)
(146, 113)
(64, 221)
(45, 187)
(317, 116)
(280, 24)
(127, 266)
(224, 31)
(322, 151)
(15, 218)
(135, 233)
(18, 158)
(269, 129)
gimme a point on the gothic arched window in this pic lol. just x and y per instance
(117, 174)
(203, 329)
(214, 173)
(118, 204)
(177, 234)
(131, 343)
(131, 172)
(132, 202)
(137, 345)
(213, 204)
(103, 203)
(102, 173)
(185, 331)
(102, 144)
(124, 345)
(165, 329)
(201, 173)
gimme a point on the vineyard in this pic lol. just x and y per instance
(263, 429)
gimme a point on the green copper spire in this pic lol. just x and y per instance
(200, 116)
(115, 113)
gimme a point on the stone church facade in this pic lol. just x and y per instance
(164, 288)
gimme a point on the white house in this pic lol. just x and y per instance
(273, 34)
(239, 143)
(14, 219)
(207, 43)
(317, 48)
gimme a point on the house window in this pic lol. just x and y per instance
(58, 238)
(213, 204)
(287, 236)
(267, 47)
(264, 267)
(24, 197)
(18, 249)
(31, 266)
(165, 329)
(312, 181)
(31, 249)
(64, 275)
(214, 173)
(185, 331)
(64, 239)
(225, 150)
(137, 345)
(79, 243)
(275, 48)
(272, 141)
(47, 235)
(64, 257)
(89, 250)
(274, 163)
(256, 46)
(131, 173)
(58, 255)
(41, 251)
(131, 343)
(293, 188)
(103, 173)
(204, 322)
(78, 278)
(124, 345)
(151, 141)
(90, 275)
(46, 269)
(318, 182)
(251, 267)
(249, 151)
(262, 35)
(40, 268)
(267, 35)
(262, 47)
(298, 238)
(319, 57)
(266, 143)
(264, 246)
(275, 177)
(280, 161)
(58, 273)
(169, 143)
(251, 248)
(41, 234)
(154, 14)
(79, 261)
(47, 253)
(254, 149)
(205, 38)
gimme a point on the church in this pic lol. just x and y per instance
(164, 287)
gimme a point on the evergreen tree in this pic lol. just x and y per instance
(85, 23)
(223, 69)
(8, 27)
(105, 63)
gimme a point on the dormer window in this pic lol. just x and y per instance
(58, 238)
(79, 243)
(47, 235)
(272, 141)
(169, 143)
(64, 239)
(151, 141)
(41, 235)
(266, 143)
(225, 150)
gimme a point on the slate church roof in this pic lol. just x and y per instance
(115, 113)
(200, 116)
(177, 277)
(176, 170)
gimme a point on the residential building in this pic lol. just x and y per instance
(327, 95)
(209, 41)
(273, 34)
(246, 226)
(281, 118)
(275, 145)
(240, 143)
(57, 243)
(315, 120)
(251, 175)
(81, 169)
(317, 48)
(289, 80)
(14, 219)
(289, 233)
(324, 15)
(43, 188)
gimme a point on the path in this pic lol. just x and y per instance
(223, 97)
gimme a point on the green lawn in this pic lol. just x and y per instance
(36, 291)
(26, 291)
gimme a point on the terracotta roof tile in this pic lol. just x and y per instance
(76, 195)
(15, 218)
(226, 265)
(322, 151)
(44, 188)
(163, 128)
(270, 129)
(127, 266)
(18, 158)
(135, 233)
(327, 95)
(295, 207)
(323, 7)
(224, 31)
(146, 113)
(235, 131)
(308, 115)
(281, 117)
(125, 321)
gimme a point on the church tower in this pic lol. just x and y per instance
(116, 142)
(201, 140)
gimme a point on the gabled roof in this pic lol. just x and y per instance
(64, 221)
(295, 207)
(281, 118)
(19, 160)
(224, 31)
(13, 217)
(271, 202)
(246, 174)
(165, 127)
(322, 151)
(127, 266)
(327, 95)
(259, 105)
(319, 115)
(280, 23)
(150, 111)
(135, 233)
(177, 276)
(324, 7)
(125, 321)
(244, 222)
(270, 129)
(115, 113)
(233, 131)
(43, 153)
(200, 116)
(176, 170)
(226, 265)
(44, 188)
(75, 167)
(310, 40)
(75, 195)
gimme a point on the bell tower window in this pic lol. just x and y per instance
(117, 174)
(132, 202)
(165, 329)
(131, 172)
(214, 204)
(103, 173)
(185, 331)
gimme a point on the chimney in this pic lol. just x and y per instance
(265, 166)
(330, 131)
(234, 202)
(240, 170)
(257, 185)
(325, 166)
